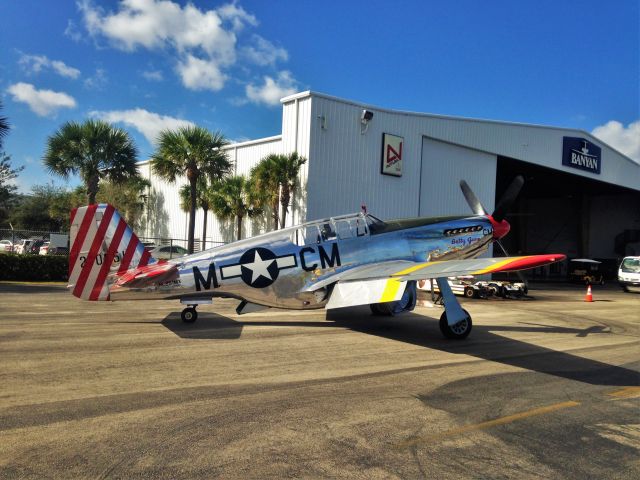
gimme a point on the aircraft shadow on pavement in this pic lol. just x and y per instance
(208, 326)
(27, 288)
(485, 341)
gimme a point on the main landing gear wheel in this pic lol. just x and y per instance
(469, 292)
(189, 315)
(458, 331)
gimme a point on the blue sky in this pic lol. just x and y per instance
(152, 64)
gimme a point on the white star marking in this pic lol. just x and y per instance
(259, 267)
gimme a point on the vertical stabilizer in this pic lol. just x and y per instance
(101, 243)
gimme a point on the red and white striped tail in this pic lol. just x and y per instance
(101, 243)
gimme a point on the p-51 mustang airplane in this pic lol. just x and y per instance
(336, 262)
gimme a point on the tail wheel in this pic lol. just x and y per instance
(459, 331)
(189, 315)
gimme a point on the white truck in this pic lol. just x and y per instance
(58, 244)
(629, 274)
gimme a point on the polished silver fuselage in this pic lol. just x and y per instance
(275, 269)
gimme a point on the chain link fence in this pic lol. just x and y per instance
(31, 241)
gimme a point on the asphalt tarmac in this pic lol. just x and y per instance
(543, 388)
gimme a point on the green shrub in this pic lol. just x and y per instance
(34, 267)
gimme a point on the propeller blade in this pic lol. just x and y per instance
(508, 198)
(517, 272)
(472, 200)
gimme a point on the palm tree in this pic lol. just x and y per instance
(4, 127)
(235, 197)
(287, 170)
(203, 194)
(194, 152)
(128, 197)
(93, 150)
(265, 177)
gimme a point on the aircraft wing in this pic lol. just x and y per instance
(403, 270)
(474, 266)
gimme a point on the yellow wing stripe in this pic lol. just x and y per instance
(496, 266)
(414, 268)
(390, 291)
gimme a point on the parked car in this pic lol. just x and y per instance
(23, 247)
(629, 273)
(58, 250)
(6, 246)
(148, 246)
(168, 252)
(44, 248)
(34, 248)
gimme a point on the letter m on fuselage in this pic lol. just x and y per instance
(211, 278)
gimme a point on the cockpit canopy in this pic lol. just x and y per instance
(341, 227)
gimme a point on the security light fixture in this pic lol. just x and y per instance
(366, 116)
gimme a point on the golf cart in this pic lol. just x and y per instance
(585, 270)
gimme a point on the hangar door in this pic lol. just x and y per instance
(571, 214)
(443, 166)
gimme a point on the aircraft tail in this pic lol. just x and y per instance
(101, 243)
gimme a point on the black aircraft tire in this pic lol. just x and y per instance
(458, 331)
(189, 315)
(382, 309)
(406, 304)
(469, 292)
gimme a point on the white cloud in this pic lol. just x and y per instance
(98, 81)
(72, 31)
(272, 90)
(236, 15)
(625, 139)
(150, 124)
(41, 102)
(204, 40)
(153, 75)
(198, 74)
(36, 63)
(263, 52)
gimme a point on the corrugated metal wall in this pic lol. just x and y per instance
(443, 166)
(296, 131)
(344, 168)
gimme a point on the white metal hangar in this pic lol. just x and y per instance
(581, 196)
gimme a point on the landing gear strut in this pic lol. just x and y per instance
(455, 322)
(189, 314)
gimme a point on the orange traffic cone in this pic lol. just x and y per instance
(589, 297)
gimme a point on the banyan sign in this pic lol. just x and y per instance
(581, 154)
(391, 155)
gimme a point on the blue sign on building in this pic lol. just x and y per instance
(582, 154)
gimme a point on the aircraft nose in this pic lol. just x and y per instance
(500, 228)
